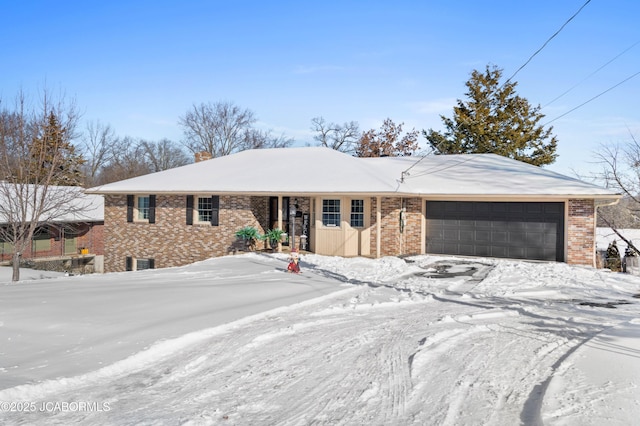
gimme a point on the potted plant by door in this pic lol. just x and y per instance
(249, 235)
(273, 237)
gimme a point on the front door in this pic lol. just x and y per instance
(273, 215)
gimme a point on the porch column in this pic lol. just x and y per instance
(378, 226)
(423, 227)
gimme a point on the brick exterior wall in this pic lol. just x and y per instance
(394, 242)
(170, 241)
(373, 248)
(581, 229)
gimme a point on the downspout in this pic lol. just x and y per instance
(401, 224)
(378, 227)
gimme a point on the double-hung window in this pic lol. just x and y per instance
(205, 209)
(331, 213)
(142, 206)
(357, 213)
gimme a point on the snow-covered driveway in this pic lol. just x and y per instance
(392, 347)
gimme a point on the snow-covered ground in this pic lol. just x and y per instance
(237, 340)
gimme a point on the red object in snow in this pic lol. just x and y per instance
(293, 262)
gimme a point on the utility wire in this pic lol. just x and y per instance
(591, 75)
(595, 97)
(547, 42)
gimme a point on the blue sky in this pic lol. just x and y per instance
(139, 65)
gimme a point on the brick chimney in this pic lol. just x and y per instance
(203, 155)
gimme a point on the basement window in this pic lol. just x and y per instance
(143, 264)
(139, 264)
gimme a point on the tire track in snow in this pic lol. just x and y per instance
(373, 360)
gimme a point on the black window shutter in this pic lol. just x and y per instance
(130, 199)
(152, 264)
(129, 263)
(152, 209)
(215, 210)
(189, 209)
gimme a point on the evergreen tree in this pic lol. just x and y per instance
(613, 261)
(387, 142)
(53, 158)
(495, 120)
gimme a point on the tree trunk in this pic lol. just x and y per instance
(16, 267)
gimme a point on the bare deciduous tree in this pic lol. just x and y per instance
(621, 171)
(97, 147)
(218, 128)
(129, 157)
(127, 161)
(35, 152)
(341, 137)
(163, 155)
(260, 139)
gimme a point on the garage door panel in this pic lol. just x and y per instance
(483, 250)
(451, 234)
(497, 251)
(467, 249)
(483, 224)
(498, 229)
(499, 224)
(497, 208)
(514, 226)
(500, 237)
(517, 208)
(517, 252)
(467, 235)
(450, 247)
(483, 236)
(534, 239)
(534, 208)
(467, 224)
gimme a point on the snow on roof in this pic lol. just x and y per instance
(82, 207)
(484, 174)
(88, 208)
(323, 170)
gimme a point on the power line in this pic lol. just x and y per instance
(547, 42)
(591, 75)
(595, 97)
